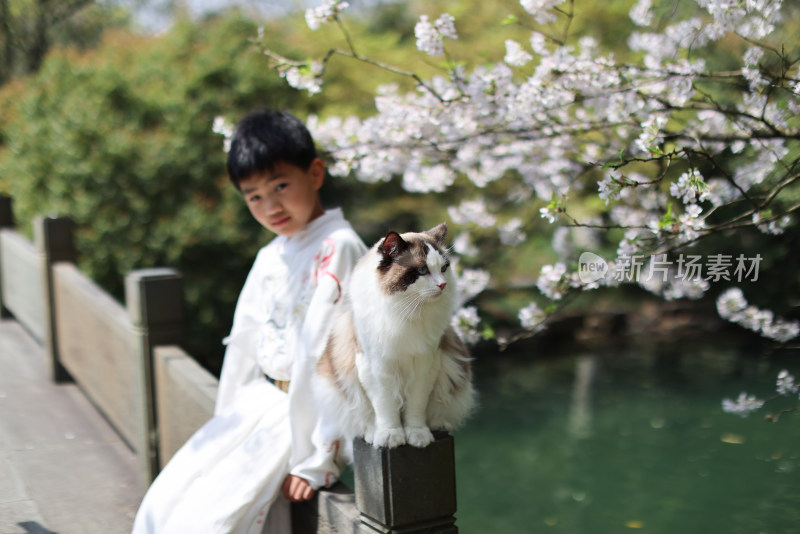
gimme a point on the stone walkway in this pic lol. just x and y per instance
(63, 469)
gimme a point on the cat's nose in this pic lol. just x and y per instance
(441, 286)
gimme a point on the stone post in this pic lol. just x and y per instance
(54, 241)
(154, 300)
(6, 221)
(406, 489)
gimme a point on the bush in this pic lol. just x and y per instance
(120, 140)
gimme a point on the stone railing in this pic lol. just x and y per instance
(128, 361)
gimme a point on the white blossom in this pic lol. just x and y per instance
(550, 281)
(422, 180)
(751, 71)
(307, 77)
(550, 213)
(428, 39)
(430, 36)
(471, 282)
(462, 245)
(515, 55)
(641, 14)
(472, 211)
(531, 317)
(222, 127)
(689, 224)
(446, 26)
(512, 233)
(782, 330)
(721, 192)
(650, 138)
(610, 187)
(542, 10)
(754, 318)
(465, 322)
(750, 18)
(752, 56)
(731, 303)
(324, 13)
(743, 406)
(690, 188)
(539, 46)
(774, 226)
(683, 288)
(786, 384)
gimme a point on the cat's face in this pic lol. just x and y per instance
(415, 264)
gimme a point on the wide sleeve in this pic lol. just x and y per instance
(313, 452)
(240, 367)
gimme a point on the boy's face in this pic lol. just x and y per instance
(285, 199)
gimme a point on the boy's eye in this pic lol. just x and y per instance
(423, 270)
(254, 198)
(281, 187)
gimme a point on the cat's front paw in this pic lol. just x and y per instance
(419, 436)
(389, 437)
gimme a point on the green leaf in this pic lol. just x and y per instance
(618, 162)
(668, 219)
(488, 332)
(511, 19)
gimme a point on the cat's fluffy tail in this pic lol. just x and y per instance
(453, 398)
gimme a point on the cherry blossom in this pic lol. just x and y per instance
(542, 10)
(465, 321)
(430, 36)
(327, 12)
(560, 120)
(786, 384)
(743, 406)
(746, 404)
(732, 306)
(531, 317)
(515, 55)
(224, 128)
(551, 281)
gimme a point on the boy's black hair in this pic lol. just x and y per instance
(264, 138)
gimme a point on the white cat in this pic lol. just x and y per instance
(394, 368)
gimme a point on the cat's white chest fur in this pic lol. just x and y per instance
(394, 367)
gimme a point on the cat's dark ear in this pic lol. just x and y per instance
(438, 233)
(393, 245)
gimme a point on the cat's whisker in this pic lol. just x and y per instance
(409, 305)
(417, 302)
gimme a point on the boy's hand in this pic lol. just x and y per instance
(297, 489)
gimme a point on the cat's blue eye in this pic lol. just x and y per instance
(446, 265)
(423, 270)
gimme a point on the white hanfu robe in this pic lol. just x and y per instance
(227, 478)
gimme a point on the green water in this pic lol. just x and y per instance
(630, 440)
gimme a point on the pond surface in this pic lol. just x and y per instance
(629, 440)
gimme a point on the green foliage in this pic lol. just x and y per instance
(28, 28)
(120, 140)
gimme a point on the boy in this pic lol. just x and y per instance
(262, 449)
